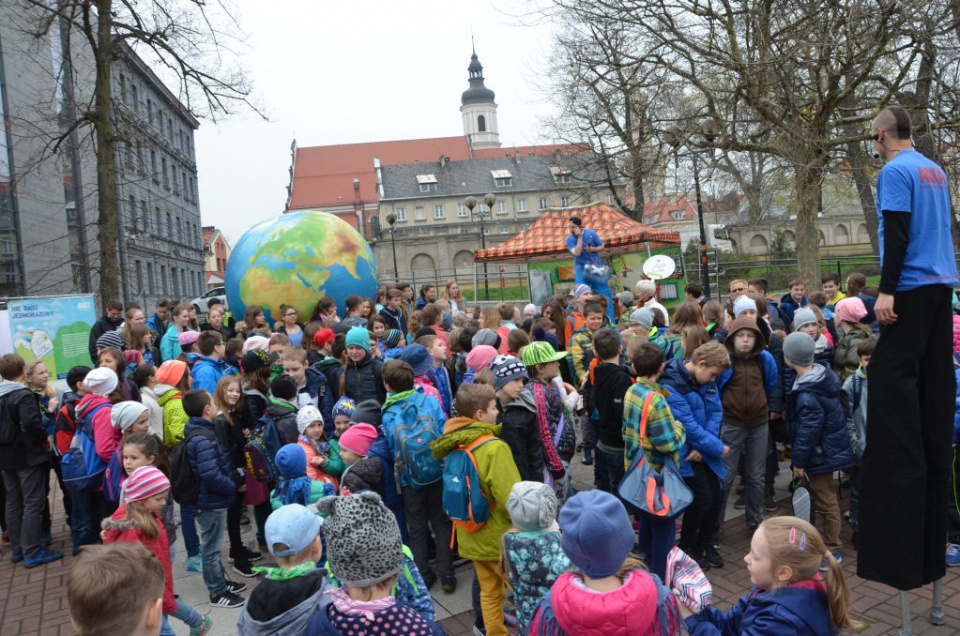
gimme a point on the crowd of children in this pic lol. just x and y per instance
(375, 451)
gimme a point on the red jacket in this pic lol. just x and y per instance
(105, 436)
(119, 528)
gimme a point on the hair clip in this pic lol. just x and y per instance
(793, 535)
(803, 542)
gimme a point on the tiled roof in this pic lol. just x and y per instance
(663, 209)
(547, 236)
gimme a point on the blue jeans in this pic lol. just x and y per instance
(213, 524)
(84, 519)
(656, 541)
(188, 527)
(184, 613)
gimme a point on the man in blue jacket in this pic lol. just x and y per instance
(218, 489)
(210, 367)
(695, 401)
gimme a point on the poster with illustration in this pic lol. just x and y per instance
(54, 329)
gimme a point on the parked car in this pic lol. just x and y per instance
(203, 302)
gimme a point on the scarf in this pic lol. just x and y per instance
(281, 574)
(367, 609)
(540, 399)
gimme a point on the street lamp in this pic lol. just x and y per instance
(675, 138)
(471, 203)
(391, 219)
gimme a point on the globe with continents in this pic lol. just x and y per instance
(297, 259)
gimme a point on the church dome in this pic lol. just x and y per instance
(477, 93)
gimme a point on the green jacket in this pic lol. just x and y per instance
(174, 417)
(497, 473)
(316, 494)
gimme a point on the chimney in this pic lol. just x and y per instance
(358, 207)
(443, 161)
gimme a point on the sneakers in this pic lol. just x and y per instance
(203, 628)
(195, 564)
(243, 568)
(236, 586)
(953, 555)
(448, 584)
(16, 557)
(826, 565)
(227, 599)
(741, 502)
(42, 557)
(703, 562)
(769, 504)
(246, 554)
(713, 557)
(479, 631)
(586, 456)
(741, 488)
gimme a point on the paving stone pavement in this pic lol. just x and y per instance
(34, 601)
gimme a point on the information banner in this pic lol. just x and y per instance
(54, 329)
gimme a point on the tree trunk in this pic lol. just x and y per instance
(108, 223)
(807, 187)
(858, 167)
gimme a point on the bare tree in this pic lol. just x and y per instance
(188, 42)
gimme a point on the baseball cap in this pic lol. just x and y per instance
(540, 353)
(294, 526)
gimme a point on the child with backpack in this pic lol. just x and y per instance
(797, 590)
(323, 457)
(610, 593)
(294, 486)
(420, 360)
(519, 417)
(532, 557)
(411, 420)
(290, 594)
(218, 484)
(282, 407)
(173, 380)
(359, 377)
(580, 346)
(129, 418)
(609, 382)
(439, 373)
(137, 521)
(365, 554)
(475, 456)
(83, 530)
(820, 441)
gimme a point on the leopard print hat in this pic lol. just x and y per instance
(363, 539)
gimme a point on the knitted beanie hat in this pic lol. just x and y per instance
(485, 337)
(391, 338)
(530, 310)
(102, 381)
(171, 371)
(362, 538)
(480, 357)
(358, 438)
(187, 338)
(344, 406)
(144, 482)
(798, 348)
(132, 356)
(291, 461)
(368, 411)
(254, 343)
(532, 506)
(851, 310)
(124, 414)
(110, 340)
(359, 337)
(643, 317)
(506, 369)
(323, 337)
(587, 516)
(742, 304)
(306, 416)
(804, 316)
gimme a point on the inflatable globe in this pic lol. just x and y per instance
(297, 259)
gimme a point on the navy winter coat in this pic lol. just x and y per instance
(698, 407)
(823, 357)
(799, 611)
(787, 306)
(211, 466)
(821, 442)
(317, 388)
(362, 380)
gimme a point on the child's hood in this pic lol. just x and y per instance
(821, 381)
(630, 609)
(741, 324)
(165, 393)
(524, 401)
(89, 401)
(461, 431)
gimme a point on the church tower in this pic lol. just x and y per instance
(479, 109)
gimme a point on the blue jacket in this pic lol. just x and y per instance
(789, 610)
(317, 388)
(211, 466)
(824, 357)
(425, 405)
(698, 407)
(207, 372)
(821, 443)
(787, 306)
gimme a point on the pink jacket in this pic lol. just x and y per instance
(425, 383)
(315, 472)
(504, 333)
(956, 333)
(105, 436)
(119, 529)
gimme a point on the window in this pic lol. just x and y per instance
(179, 234)
(186, 192)
(133, 211)
(466, 230)
(150, 111)
(563, 178)
(418, 214)
(560, 175)
(166, 177)
(610, 199)
(438, 212)
(524, 228)
(153, 166)
(183, 281)
(428, 187)
(175, 281)
(134, 94)
(677, 215)
(7, 247)
(401, 214)
(543, 203)
(503, 182)
(138, 266)
(504, 229)
(462, 211)
(10, 274)
(129, 157)
(521, 205)
(427, 182)
(149, 288)
(482, 208)
(140, 157)
(486, 231)
(163, 279)
(481, 124)
(564, 202)
(143, 215)
(169, 225)
(123, 88)
(501, 207)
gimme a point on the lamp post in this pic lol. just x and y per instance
(675, 138)
(471, 203)
(391, 219)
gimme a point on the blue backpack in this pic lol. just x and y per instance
(114, 477)
(411, 442)
(82, 469)
(261, 450)
(463, 499)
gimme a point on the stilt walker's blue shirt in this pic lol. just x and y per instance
(590, 239)
(913, 184)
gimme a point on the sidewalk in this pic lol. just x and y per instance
(34, 601)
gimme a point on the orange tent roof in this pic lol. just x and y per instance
(545, 238)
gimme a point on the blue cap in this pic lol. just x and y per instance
(291, 461)
(417, 356)
(360, 337)
(294, 526)
(587, 516)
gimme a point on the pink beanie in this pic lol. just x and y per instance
(358, 438)
(480, 357)
(143, 483)
(851, 310)
(188, 338)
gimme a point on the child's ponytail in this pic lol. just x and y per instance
(838, 596)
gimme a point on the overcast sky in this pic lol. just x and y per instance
(363, 70)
